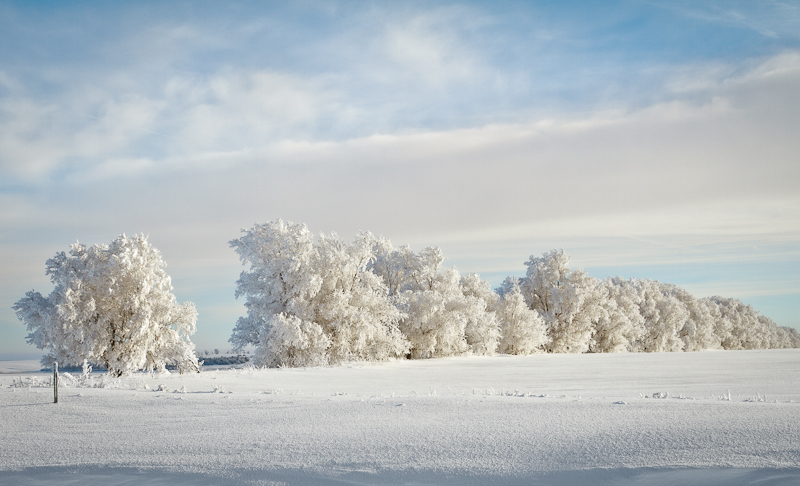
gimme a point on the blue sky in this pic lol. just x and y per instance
(648, 139)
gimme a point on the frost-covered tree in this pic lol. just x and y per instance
(664, 316)
(280, 256)
(395, 267)
(432, 304)
(697, 332)
(778, 337)
(788, 338)
(433, 321)
(291, 341)
(508, 285)
(319, 300)
(479, 303)
(569, 301)
(352, 304)
(620, 324)
(444, 314)
(473, 286)
(112, 305)
(522, 330)
(738, 325)
(311, 302)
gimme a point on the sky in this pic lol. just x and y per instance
(647, 139)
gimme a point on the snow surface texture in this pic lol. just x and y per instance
(730, 417)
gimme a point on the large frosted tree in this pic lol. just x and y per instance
(279, 256)
(569, 301)
(112, 305)
(352, 304)
(313, 301)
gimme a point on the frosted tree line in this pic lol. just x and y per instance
(318, 301)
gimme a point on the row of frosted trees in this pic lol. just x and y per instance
(318, 300)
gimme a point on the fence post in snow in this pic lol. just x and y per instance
(55, 382)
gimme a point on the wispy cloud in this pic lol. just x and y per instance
(769, 18)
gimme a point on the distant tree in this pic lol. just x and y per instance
(509, 284)
(739, 326)
(395, 267)
(443, 313)
(664, 317)
(112, 305)
(522, 330)
(482, 331)
(788, 337)
(697, 332)
(279, 256)
(778, 337)
(569, 301)
(352, 304)
(433, 319)
(621, 324)
(216, 351)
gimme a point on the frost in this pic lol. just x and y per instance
(112, 305)
(313, 303)
(316, 300)
(757, 398)
(31, 382)
(569, 301)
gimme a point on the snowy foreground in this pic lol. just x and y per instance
(730, 417)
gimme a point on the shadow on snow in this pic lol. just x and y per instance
(122, 476)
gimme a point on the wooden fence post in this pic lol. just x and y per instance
(55, 382)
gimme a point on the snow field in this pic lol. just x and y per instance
(543, 419)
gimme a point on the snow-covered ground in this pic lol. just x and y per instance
(729, 417)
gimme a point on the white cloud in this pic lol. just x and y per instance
(427, 48)
(245, 110)
(26, 148)
(117, 125)
(784, 64)
(38, 138)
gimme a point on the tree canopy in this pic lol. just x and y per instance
(316, 300)
(112, 306)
